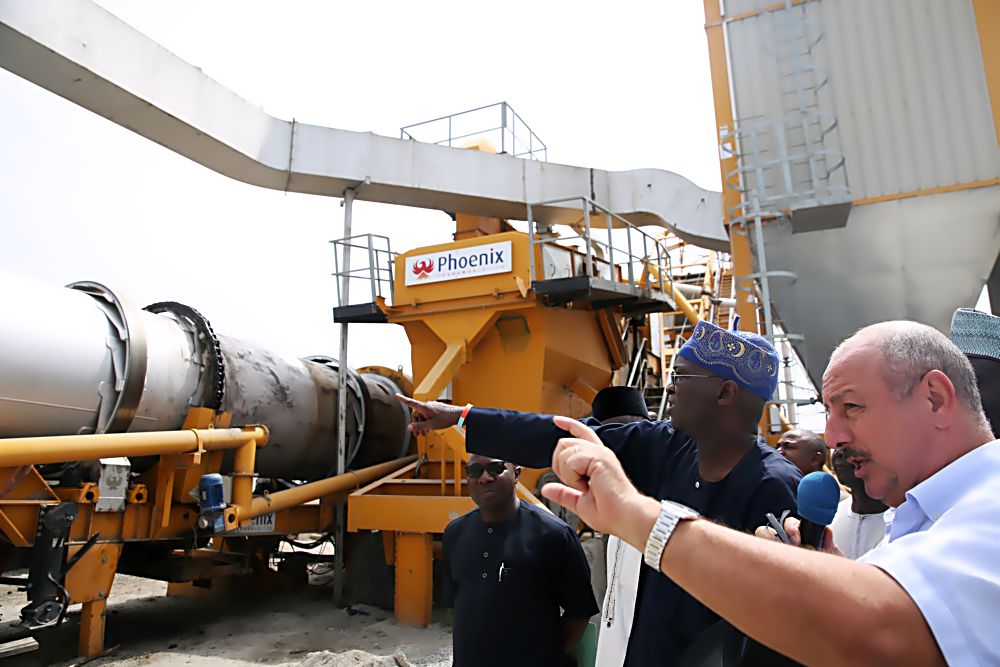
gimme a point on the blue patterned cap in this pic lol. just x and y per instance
(745, 358)
(976, 333)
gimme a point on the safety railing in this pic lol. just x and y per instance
(370, 260)
(635, 258)
(779, 169)
(498, 122)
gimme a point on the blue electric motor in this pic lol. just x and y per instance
(210, 493)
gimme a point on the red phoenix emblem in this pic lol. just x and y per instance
(422, 269)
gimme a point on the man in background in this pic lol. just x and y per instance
(618, 405)
(860, 522)
(708, 455)
(803, 448)
(977, 334)
(509, 567)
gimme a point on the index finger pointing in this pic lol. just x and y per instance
(406, 399)
(576, 429)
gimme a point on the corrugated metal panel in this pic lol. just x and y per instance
(918, 258)
(906, 84)
(734, 7)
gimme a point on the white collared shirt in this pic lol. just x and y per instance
(624, 563)
(943, 548)
(857, 534)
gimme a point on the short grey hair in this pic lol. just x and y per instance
(910, 350)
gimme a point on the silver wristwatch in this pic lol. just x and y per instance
(671, 514)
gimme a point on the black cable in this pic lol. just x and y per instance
(65, 598)
(311, 545)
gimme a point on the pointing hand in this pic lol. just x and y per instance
(595, 486)
(430, 415)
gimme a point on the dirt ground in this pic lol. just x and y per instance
(304, 629)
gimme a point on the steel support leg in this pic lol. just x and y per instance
(92, 628)
(414, 579)
(89, 582)
(342, 371)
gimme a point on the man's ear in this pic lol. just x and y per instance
(941, 396)
(517, 473)
(727, 392)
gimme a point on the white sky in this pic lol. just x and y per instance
(615, 86)
(620, 85)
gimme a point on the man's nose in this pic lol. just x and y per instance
(838, 434)
(485, 477)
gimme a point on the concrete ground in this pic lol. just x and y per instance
(304, 629)
(301, 628)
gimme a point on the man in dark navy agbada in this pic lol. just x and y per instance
(707, 456)
(509, 569)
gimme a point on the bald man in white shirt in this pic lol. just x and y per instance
(905, 408)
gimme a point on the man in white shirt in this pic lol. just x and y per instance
(618, 405)
(906, 410)
(859, 524)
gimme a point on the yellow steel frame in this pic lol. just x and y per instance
(462, 332)
(159, 505)
(987, 14)
(739, 240)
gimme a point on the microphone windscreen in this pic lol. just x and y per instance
(818, 497)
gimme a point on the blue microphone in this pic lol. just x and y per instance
(818, 497)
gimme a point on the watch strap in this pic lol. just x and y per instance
(671, 514)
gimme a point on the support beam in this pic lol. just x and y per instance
(414, 579)
(442, 372)
(739, 239)
(296, 496)
(92, 628)
(342, 371)
(89, 582)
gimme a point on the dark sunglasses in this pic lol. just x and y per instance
(494, 468)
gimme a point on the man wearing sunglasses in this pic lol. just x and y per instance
(508, 568)
(707, 456)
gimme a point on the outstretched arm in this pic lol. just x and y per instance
(814, 607)
(529, 439)
(523, 438)
(430, 415)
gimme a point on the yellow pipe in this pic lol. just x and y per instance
(684, 305)
(243, 474)
(282, 500)
(63, 448)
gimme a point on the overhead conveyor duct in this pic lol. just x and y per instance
(79, 51)
(83, 360)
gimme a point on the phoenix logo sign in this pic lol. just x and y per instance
(456, 263)
(422, 268)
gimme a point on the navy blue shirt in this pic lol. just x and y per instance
(507, 582)
(662, 462)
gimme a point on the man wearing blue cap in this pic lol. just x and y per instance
(977, 334)
(707, 456)
(904, 408)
